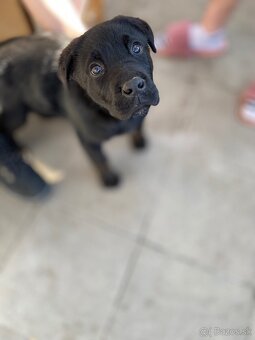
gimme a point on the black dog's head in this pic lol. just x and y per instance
(111, 62)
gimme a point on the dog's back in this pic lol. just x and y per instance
(28, 78)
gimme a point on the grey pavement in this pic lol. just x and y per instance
(171, 253)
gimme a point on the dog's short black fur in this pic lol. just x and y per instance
(103, 83)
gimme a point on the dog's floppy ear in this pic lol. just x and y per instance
(66, 61)
(142, 26)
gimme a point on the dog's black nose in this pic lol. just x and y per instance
(132, 86)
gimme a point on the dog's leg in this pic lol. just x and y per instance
(138, 139)
(16, 173)
(95, 153)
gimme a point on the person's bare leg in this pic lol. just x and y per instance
(79, 5)
(209, 34)
(217, 14)
(60, 16)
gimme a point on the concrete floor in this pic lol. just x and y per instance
(169, 253)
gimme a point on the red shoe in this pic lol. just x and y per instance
(177, 44)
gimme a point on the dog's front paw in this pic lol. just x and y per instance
(110, 179)
(139, 142)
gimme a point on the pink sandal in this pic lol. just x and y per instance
(177, 43)
(246, 111)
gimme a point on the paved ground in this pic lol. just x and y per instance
(170, 252)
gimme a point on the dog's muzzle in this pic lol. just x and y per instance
(135, 98)
(138, 88)
(133, 87)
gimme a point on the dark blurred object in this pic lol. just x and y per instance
(14, 20)
(16, 173)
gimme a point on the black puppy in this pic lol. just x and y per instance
(107, 88)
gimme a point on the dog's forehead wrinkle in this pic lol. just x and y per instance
(112, 39)
(95, 55)
(109, 54)
(113, 34)
(104, 50)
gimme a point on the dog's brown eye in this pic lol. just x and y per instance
(136, 48)
(96, 70)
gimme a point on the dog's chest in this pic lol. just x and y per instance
(129, 125)
(103, 129)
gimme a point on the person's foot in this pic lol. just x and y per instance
(15, 173)
(246, 110)
(186, 39)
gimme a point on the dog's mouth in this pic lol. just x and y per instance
(142, 112)
(136, 107)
